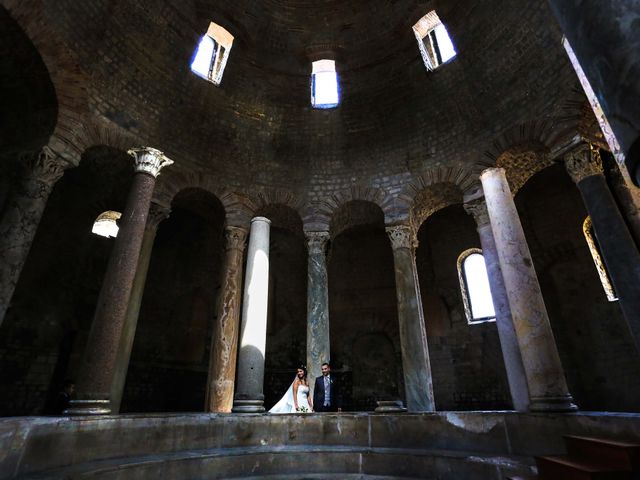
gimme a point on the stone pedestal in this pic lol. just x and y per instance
(545, 377)
(97, 371)
(418, 382)
(506, 331)
(157, 214)
(604, 37)
(318, 338)
(22, 217)
(249, 397)
(617, 247)
(224, 341)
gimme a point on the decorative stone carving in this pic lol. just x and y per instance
(402, 236)
(149, 160)
(317, 242)
(236, 238)
(583, 162)
(47, 167)
(157, 213)
(478, 210)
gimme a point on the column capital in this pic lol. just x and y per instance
(47, 167)
(583, 162)
(317, 241)
(157, 213)
(149, 160)
(402, 236)
(478, 210)
(236, 238)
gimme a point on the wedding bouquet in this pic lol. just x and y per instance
(302, 409)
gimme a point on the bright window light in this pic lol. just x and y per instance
(474, 283)
(324, 84)
(106, 224)
(212, 54)
(434, 41)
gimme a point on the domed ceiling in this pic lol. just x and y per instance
(395, 118)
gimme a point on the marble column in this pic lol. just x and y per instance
(617, 247)
(506, 331)
(318, 338)
(157, 213)
(224, 341)
(97, 371)
(547, 385)
(416, 366)
(249, 397)
(604, 37)
(21, 219)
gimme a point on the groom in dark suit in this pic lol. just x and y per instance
(326, 394)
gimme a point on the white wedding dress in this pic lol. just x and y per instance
(286, 403)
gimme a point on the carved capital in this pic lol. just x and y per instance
(149, 160)
(317, 242)
(478, 210)
(402, 236)
(583, 162)
(47, 167)
(236, 238)
(157, 213)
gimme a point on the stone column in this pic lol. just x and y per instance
(22, 217)
(506, 331)
(547, 385)
(604, 37)
(253, 332)
(318, 338)
(97, 371)
(617, 247)
(416, 366)
(157, 214)
(224, 341)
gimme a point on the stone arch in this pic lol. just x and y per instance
(355, 213)
(522, 162)
(436, 189)
(320, 214)
(69, 80)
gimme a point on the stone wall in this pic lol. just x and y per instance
(466, 360)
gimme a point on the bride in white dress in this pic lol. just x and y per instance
(296, 398)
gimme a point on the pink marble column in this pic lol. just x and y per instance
(416, 366)
(21, 219)
(506, 331)
(547, 385)
(157, 213)
(224, 342)
(97, 370)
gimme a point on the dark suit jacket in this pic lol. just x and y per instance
(335, 401)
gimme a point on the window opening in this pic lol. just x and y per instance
(434, 41)
(212, 54)
(106, 225)
(594, 248)
(324, 84)
(474, 285)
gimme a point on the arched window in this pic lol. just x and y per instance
(587, 229)
(324, 84)
(106, 224)
(212, 54)
(474, 284)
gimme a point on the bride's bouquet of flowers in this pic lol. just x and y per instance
(302, 409)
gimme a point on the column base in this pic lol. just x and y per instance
(553, 404)
(390, 406)
(88, 407)
(248, 406)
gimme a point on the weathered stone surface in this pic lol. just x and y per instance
(224, 342)
(547, 385)
(318, 338)
(418, 381)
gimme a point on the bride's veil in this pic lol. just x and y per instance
(285, 404)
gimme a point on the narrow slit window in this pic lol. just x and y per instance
(324, 84)
(434, 41)
(474, 284)
(587, 230)
(212, 54)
